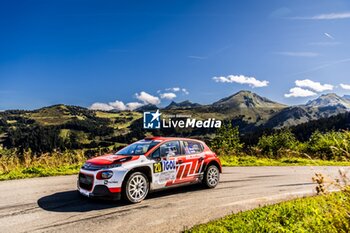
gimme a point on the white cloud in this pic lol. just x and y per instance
(168, 95)
(133, 105)
(329, 35)
(101, 106)
(147, 98)
(345, 86)
(177, 89)
(241, 79)
(316, 86)
(299, 92)
(121, 106)
(330, 16)
(298, 54)
(173, 89)
(118, 105)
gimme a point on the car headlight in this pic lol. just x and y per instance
(104, 175)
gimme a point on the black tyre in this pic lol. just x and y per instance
(211, 176)
(136, 187)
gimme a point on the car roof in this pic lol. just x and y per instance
(159, 138)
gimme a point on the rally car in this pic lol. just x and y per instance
(147, 165)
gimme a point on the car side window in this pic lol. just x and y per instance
(171, 148)
(192, 147)
(156, 154)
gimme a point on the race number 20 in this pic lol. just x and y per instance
(157, 167)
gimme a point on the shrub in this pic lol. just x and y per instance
(278, 144)
(227, 141)
(330, 145)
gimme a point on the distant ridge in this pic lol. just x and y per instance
(325, 106)
(327, 100)
(246, 99)
(183, 104)
(244, 108)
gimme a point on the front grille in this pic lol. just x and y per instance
(86, 181)
(93, 167)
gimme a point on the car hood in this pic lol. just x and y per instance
(111, 159)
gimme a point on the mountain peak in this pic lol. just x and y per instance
(329, 99)
(147, 107)
(330, 95)
(247, 99)
(183, 104)
(244, 92)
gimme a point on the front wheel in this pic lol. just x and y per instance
(211, 176)
(136, 187)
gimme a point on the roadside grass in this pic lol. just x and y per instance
(324, 213)
(56, 163)
(246, 160)
(40, 171)
(29, 165)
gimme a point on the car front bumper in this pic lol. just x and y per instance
(91, 187)
(101, 192)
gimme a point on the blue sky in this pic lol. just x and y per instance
(119, 52)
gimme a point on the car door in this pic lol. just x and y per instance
(194, 158)
(165, 164)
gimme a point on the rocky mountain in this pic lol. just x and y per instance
(325, 106)
(249, 106)
(147, 107)
(246, 99)
(328, 100)
(245, 108)
(347, 97)
(183, 104)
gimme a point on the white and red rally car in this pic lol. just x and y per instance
(147, 165)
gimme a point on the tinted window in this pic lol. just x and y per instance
(138, 148)
(171, 148)
(192, 147)
(156, 154)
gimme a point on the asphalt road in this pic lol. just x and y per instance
(52, 204)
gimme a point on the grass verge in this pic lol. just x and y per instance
(229, 161)
(69, 162)
(29, 165)
(325, 213)
(40, 171)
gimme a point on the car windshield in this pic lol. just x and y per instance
(138, 148)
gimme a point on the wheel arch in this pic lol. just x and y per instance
(213, 162)
(144, 169)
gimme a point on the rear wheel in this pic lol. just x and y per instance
(136, 187)
(211, 176)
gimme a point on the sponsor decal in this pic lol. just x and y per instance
(110, 182)
(165, 165)
(151, 120)
(164, 171)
